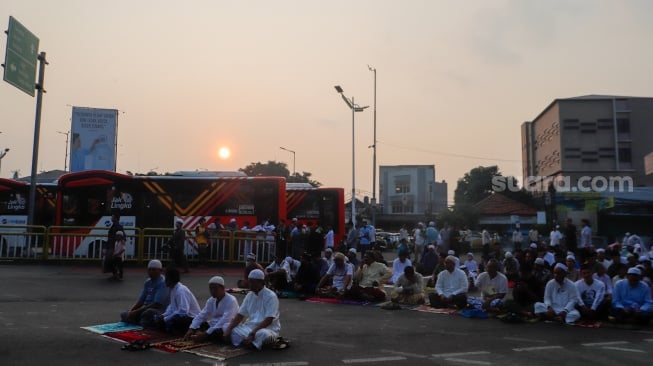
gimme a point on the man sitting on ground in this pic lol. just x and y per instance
(278, 274)
(369, 280)
(451, 287)
(216, 315)
(409, 288)
(250, 265)
(429, 261)
(560, 298)
(183, 305)
(308, 276)
(257, 321)
(338, 278)
(631, 299)
(153, 298)
(398, 266)
(591, 303)
(493, 286)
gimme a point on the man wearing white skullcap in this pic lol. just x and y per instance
(257, 321)
(631, 299)
(216, 315)
(153, 298)
(560, 298)
(450, 287)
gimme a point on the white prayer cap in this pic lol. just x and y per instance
(557, 226)
(251, 256)
(432, 223)
(420, 224)
(451, 252)
(539, 261)
(352, 250)
(179, 221)
(571, 257)
(634, 271)
(120, 233)
(533, 245)
(627, 234)
(288, 260)
(562, 267)
(637, 246)
(643, 259)
(600, 250)
(431, 246)
(450, 258)
(570, 254)
(470, 253)
(328, 250)
(508, 255)
(155, 263)
(256, 274)
(217, 280)
(232, 220)
(294, 219)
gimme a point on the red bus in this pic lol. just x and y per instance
(14, 201)
(89, 198)
(309, 204)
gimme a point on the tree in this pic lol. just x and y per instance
(278, 169)
(475, 185)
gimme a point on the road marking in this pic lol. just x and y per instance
(604, 344)
(460, 354)
(648, 340)
(298, 363)
(523, 340)
(334, 344)
(536, 348)
(625, 349)
(376, 359)
(404, 353)
(470, 362)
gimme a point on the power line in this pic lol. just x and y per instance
(448, 154)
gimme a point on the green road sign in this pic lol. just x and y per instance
(21, 56)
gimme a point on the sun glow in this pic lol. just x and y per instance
(224, 153)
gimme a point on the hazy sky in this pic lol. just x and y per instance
(455, 79)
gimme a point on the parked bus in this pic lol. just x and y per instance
(325, 206)
(14, 210)
(89, 198)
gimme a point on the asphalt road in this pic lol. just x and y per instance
(42, 308)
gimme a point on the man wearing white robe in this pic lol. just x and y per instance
(560, 298)
(216, 315)
(183, 305)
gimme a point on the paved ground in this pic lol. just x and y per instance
(42, 308)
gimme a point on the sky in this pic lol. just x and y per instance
(455, 79)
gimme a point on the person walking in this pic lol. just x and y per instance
(177, 244)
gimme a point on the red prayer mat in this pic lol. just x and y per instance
(178, 344)
(328, 300)
(429, 309)
(588, 324)
(218, 352)
(138, 335)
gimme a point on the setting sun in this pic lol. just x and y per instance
(224, 152)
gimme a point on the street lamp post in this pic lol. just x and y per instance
(374, 145)
(354, 108)
(2, 155)
(293, 158)
(65, 160)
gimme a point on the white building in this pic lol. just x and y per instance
(411, 189)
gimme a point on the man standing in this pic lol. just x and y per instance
(555, 237)
(585, 240)
(216, 315)
(111, 243)
(560, 298)
(260, 312)
(517, 239)
(571, 242)
(364, 238)
(420, 238)
(183, 305)
(202, 240)
(177, 244)
(451, 286)
(153, 298)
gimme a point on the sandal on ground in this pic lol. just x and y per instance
(280, 343)
(138, 345)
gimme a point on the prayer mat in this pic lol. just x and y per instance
(138, 335)
(429, 309)
(178, 344)
(238, 290)
(328, 300)
(588, 324)
(112, 327)
(218, 352)
(387, 304)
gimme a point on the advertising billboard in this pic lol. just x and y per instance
(93, 139)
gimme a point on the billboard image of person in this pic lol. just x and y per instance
(93, 142)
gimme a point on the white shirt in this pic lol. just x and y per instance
(182, 302)
(517, 237)
(219, 315)
(398, 268)
(274, 267)
(561, 297)
(606, 281)
(550, 258)
(585, 237)
(485, 237)
(419, 239)
(590, 295)
(339, 275)
(491, 286)
(451, 283)
(555, 236)
(328, 238)
(257, 307)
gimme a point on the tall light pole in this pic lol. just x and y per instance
(65, 160)
(293, 158)
(374, 145)
(354, 108)
(2, 155)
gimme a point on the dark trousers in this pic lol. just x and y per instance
(437, 301)
(623, 316)
(365, 294)
(179, 259)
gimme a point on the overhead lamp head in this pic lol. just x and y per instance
(338, 89)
